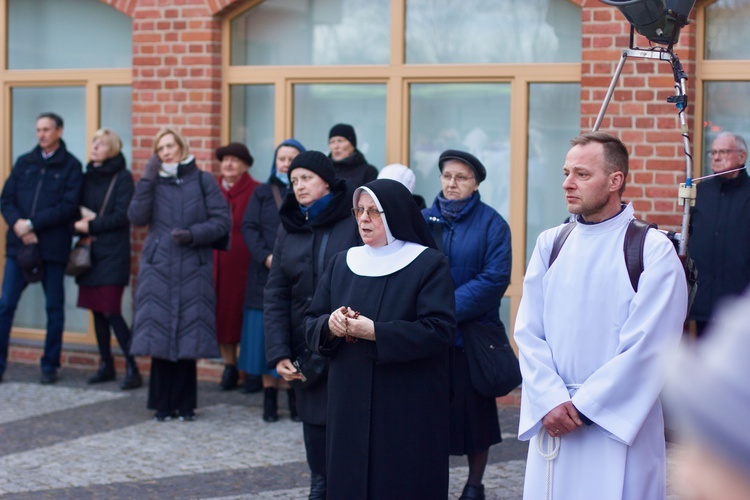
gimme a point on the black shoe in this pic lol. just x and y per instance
(229, 378)
(270, 405)
(48, 377)
(132, 378)
(164, 416)
(318, 487)
(293, 405)
(105, 373)
(187, 416)
(472, 492)
(253, 384)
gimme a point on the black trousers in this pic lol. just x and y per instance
(315, 447)
(173, 385)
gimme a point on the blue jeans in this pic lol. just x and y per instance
(54, 293)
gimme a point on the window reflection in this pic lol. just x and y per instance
(726, 30)
(312, 32)
(251, 118)
(554, 119)
(489, 31)
(725, 111)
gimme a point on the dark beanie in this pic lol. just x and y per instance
(237, 150)
(344, 130)
(315, 161)
(480, 173)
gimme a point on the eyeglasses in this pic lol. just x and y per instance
(460, 179)
(372, 213)
(720, 152)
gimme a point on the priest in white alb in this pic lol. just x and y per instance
(592, 349)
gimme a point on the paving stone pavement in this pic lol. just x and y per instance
(75, 441)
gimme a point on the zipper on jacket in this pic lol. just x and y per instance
(153, 252)
(36, 194)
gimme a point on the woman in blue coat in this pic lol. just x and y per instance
(476, 240)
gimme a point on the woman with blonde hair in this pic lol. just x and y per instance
(175, 300)
(107, 190)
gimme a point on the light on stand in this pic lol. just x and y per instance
(658, 20)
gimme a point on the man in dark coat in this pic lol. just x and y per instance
(348, 162)
(720, 229)
(39, 203)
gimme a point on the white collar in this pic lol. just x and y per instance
(381, 261)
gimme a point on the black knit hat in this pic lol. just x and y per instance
(480, 173)
(344, 130)
(237, 150)
(315, 161)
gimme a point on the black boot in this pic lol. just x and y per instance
(270, 405)
(318, 487)
(293, 405)
(253, 384)
(105, 373)
(132, 378)
(230, 378)
(472, 492)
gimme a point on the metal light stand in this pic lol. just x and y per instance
(687, 192)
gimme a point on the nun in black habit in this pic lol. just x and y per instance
(384, 313)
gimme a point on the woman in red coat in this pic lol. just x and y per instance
(230, 266)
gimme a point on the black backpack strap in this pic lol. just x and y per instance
(635, 239)
(560, 241)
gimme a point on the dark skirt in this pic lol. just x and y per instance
(474, 425)
(173, 385)
(252, 357)
(104, 299)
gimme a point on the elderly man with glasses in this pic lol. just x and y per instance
(720, 228)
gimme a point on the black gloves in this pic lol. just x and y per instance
(152, 168)
(182, 236)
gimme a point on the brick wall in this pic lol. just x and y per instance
(638, 112)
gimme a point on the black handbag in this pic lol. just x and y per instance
(493, 366)
(312, 366)
(29, 259)
(80, 258)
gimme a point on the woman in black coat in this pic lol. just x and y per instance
(175, 299)
(260, 225)
(100, 288)
(315, 225)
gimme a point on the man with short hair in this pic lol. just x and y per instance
(591, 348)
(348, 162)
(39, 202)
(719, 240)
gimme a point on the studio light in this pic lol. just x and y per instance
(658, 20)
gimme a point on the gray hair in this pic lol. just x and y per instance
(738, 140)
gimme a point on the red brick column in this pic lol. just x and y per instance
(638, 112)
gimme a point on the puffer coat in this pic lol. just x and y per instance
(175, 300)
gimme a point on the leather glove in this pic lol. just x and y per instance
(182, 236)
(152, 168)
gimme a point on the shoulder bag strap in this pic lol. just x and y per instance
(276, 195)
(106, 196)
(635, 239)
(560, 241)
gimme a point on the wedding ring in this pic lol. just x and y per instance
(557, 431)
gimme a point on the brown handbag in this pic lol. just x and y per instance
(79, 260)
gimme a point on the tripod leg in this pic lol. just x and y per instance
(610, 91)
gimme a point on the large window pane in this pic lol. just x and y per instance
(473, 117)
(489, 31)
(252, 123)
(554, 119)
(726, 30)
(724, 112)
(52, 34)
(293, 32)
(70, 103)
(317, 107)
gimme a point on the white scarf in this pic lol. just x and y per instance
(381, 261)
